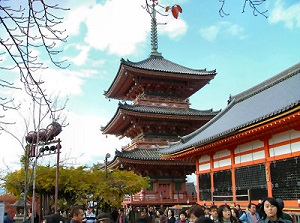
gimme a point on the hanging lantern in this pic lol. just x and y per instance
(53, 130)
(43, 135)
(31, 137)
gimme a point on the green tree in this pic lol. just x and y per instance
(78, 185)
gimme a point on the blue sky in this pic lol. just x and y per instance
(244, 49)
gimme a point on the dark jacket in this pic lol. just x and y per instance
(279, 220)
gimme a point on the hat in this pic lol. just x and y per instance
(102, 216)
(163, 219)
(54, 218)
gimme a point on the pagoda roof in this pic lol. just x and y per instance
(158, 63)
(158, 112)
(148, 155)
(146, 159)
(156, 67)
(272, 97)
(139, 154)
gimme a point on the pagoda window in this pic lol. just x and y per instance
(177, 186)
(150, 186)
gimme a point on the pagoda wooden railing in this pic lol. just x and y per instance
(156, 199)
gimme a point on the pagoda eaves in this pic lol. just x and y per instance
(132, 120)
(156, 74)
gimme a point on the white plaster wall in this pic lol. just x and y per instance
(249, 157)
(221, 154)
(221, 163)
(204, 158)
(249, 146)
(205, 166)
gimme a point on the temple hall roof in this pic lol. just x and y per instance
(272, 97)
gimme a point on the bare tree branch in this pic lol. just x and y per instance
(253, 4)
(31, 26)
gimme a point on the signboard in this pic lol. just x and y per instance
(2, 207)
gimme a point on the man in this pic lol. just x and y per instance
(214, 213)
(122, 218)
(250, 216)
(7, 218)
(77, 214)
(240, 211)
(90, 216)
(54, 218)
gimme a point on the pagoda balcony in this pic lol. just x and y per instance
(156, 199)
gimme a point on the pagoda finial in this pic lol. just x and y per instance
(154, 42)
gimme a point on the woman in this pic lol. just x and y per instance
(235, 213)
(171, 218)
(224, 215)
(195, 212)
(271, 212)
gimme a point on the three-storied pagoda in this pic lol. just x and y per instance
(160, 112)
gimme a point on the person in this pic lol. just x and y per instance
(163, 219)
(214, 213)
(171, 218)
(204, 219)
(195, 212)
(207, 212)
(76, 214)
(272, 212)
(132, 214)
(53, 218)
(224, 215)
(250, 216)
(159, 213)
(182, 217)
(235, 213)
(122, 218)
(103, 218)
(240, 211)
(7, 218)
(142, 218)
(90, 216)
(281, 206)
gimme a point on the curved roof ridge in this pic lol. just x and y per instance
(186, 138)
(285, 74)
(159, 63)
(167, 110)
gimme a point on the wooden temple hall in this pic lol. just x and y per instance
(247, 151)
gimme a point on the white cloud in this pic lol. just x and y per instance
(82, 143)
(290, 16)
(118, 27)
(82, 57)
(210, 33)
(174, 27)
(222, 28)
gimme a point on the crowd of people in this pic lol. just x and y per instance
(269, 211)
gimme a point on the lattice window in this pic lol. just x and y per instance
(285, 175)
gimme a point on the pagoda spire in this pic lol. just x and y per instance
(154, 41)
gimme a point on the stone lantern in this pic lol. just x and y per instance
(20, 205)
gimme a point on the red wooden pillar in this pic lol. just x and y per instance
(233, 182)
(267, 163)
(212, 177)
